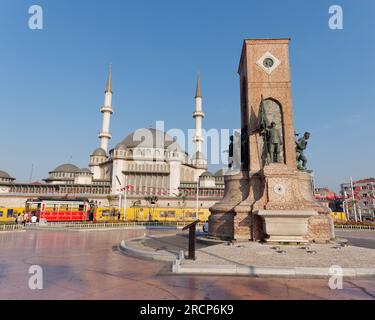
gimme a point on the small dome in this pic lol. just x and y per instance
(206, 174)
(120, 146)
(67, 167)
(99, 152)
(6, 175)
(219, 173)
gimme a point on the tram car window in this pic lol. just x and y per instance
(10, 213)
(168, 214)
(190, 215)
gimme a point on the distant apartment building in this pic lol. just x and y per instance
(328, 198)
(324, 194)
(364, 195)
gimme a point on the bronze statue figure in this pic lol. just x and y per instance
(272, 138)
(244, 148)
(301, 144)
(236, 151)
(230, 152)
(263, 124)
(274, 142)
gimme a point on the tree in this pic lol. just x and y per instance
(151, 200)
(181, 203)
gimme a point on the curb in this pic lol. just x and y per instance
(254, 271)
(159, 256)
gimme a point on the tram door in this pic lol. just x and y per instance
(82, 211)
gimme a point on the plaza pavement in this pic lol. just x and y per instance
(88, 265)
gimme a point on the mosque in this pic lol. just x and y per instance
(148, 162)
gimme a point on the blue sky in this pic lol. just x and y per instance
(52, 80)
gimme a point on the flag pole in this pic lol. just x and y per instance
(125, 192)
(353, 199)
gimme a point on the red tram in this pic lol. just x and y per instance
(59, 209)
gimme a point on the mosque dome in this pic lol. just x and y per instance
(4, 174)
(206, 174)
(67, 167)
(99, 152)
(219, 173)
(150, 138)
(5, 177)
(120, 146)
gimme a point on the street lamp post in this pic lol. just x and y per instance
(353, 199)
(197, 199)
(347, 217)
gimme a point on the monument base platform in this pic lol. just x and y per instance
(273, 189)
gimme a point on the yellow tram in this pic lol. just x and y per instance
(110, 214)
(151, 214)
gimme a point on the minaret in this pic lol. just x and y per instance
(198, 116)
(106, 110)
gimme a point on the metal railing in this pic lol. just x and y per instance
(354, 227)
(109, 225)
(11, 227)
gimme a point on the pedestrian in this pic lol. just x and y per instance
(34, 219)
(19, 219)
(24, 219)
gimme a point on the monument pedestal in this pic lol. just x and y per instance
(286, 226)
(289, 203)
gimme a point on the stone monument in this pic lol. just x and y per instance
(271, 197)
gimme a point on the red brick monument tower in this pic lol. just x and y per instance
(270, 198)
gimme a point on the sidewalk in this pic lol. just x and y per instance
(255, 259)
